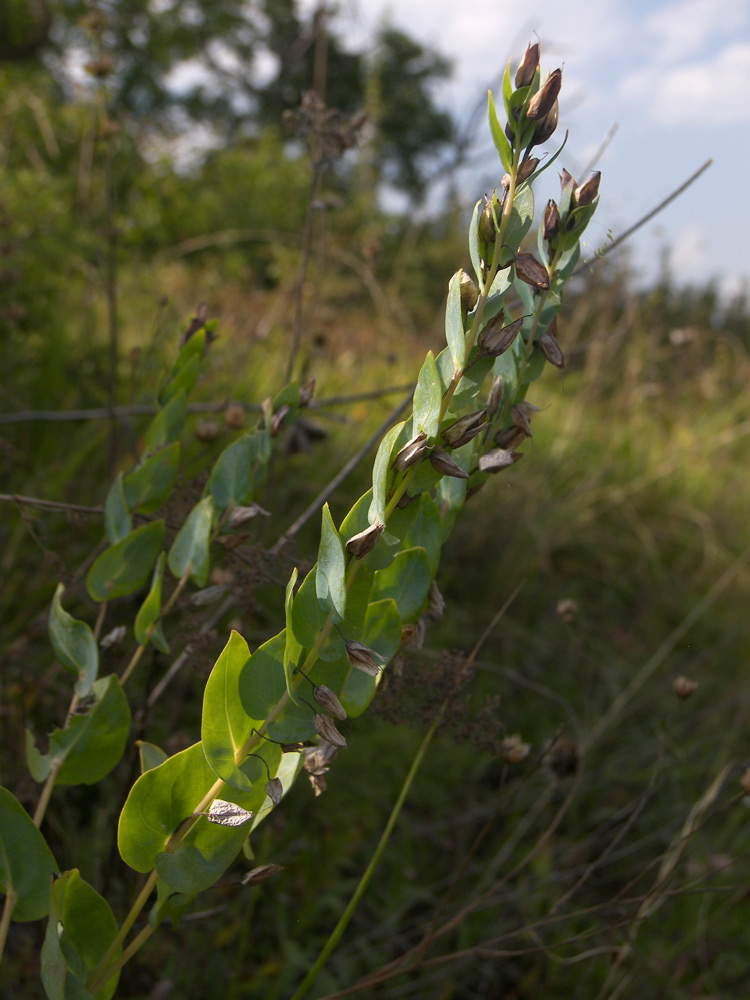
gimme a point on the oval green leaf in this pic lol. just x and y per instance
(92, 744)
(428, 397)
(151, 483)
(167, 424)
(123, 568)
(74, 645)
(406, 581)
(26, 863)
(330, 575)
(190, 549)
(117, 521)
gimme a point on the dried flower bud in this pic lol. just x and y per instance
(551, 350)
(469, 291)
(241, 515)
(318, 783)
(531, 271)
(318, 758)
(528, 65)
(207, 431)
(114, 638)
(551, 222)
(530, 163)
(261, 873)
(509, 437)
(447, 465)
(567, 609)
(461, 431)
(419, 632)
(683, 687)
(209, 595)
(306, 391)
(234, 416)
(496, 395)
(364, 659)
(567, 181)
(328, 700)
(545, 97)
(274, 790)
(495, 339)
(496, 460)
(587, 192)
(486, 227)
(514, 750)
(227, 813)
(278, 419)
(436, 602)
(520, 417)
(365, 541)
(324, 727)
(411, 452)
(546, 126)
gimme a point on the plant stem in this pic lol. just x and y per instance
(8, 907)
(346, 916)
(135, 658)
(98, 978)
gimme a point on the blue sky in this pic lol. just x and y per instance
(673, 74)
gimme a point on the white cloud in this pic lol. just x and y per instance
(708, 92)
(685, 28)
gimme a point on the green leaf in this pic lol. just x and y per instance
(426, 529)
(406, 581)
(81, 928)
(427, 398)
(507, 89)
(521, 218)
(454, 323)
(159, 802)
(38, 765)
(288, 770)
(381, 474)
(150, 610)
(190, 549)
(330, 576)
(226, 725)
(151, 483)
(150, 755)
(451, 495)
(117, 521)
(470, 384)
(506, 366)
(167, 424)
(26, 863)
(389, 543)
(382, 633)
(124, 567)
(498, 135)
(292, 648)
(308, 618)
(74, 645)
(93, 743)
(474, 251)
(186, 368)
(230, 483)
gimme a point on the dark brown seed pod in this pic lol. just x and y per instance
(278, 419)
(528, 65)
(364, 659)
(542, 102)
(496, 460)
(529, 164)
(509, 437)
(495, 339)
(261, 873)
(329, 701)
(241, 515)
(324, 727)
(274, 790)
(587, 192)
(546, 126)
(486, 226)
(531, 271)
(469, 291)
(551, 350)
(411, 453)
(567, 181)
(365, 541)
(461, 431)
(496, 395)
(520, 418)
(551, 221)
(306, 391)
(447, 465)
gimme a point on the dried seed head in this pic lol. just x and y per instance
(551, 350)
(411, 452)
(542, 102)
(241, 515)
(446, 465)
(509, 437)
(227, 813)
(520, 418)
(528, 65)
(207, 431)
(324, 727)
(546, 126)
(683, 687)
(514, 750)
(234, 416)
(587, 192)
(328, 700)
(551, 223)
(261, 873)
(531, 271)
(365, 541)
(495, 339)
(274, 790)
(278, 419)
(530, 163)
(461, 431)
(469, 291)
(436, 602)
(318, 758)
(364, 659)
(567, 609)
(562, 757)
(306, 391)
(487, 230)
(318, 783)
(114, 638)
(495, 397)
(209, 595)
(496, 460)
